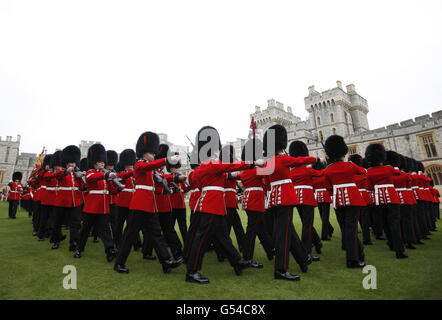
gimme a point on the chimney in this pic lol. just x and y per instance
(351, 88)
(339, 84)
(311, 90)
(257, 109)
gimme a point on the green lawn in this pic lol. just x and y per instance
(31, 270)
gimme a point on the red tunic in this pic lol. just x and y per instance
(402, 183)
(230, 192)
(210, 176)
(254, 195)
(162, 200)
(417, 186)
(15, 191)
(143, 198)
(302, 178)
(342, 175)
(50, 193)
(282, 192)
(126, 194)
(68, 190)
(195, 191)
(97, 199)
(436, 195)
(322, 188)
(381, 177)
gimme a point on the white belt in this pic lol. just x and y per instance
(68, 188)
(128, 190)
(323, 189)
(149, 188)
(340, 186)
(303, 187)
(14, 191)
(99, 192)
(213, 188)
(254, 189)
(279, 182)
(376, 190)
(362, 190)
(194, 190)
(43, 187)
(415, 187)
(51, 188)
(230, 189)
(401, 189)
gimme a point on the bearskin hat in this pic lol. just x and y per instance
(147, 142)
(46, 161)
(252, 150)
(375, 154)
(401, 162)
(392, 159)
(420, 166)
(17, 176)
(127, 158)
(96, 153)
(365, 163)
(207, 136)
(356, 159)
(118, 167)
(71, 154)
(163, 149)
(84, 165)
(335, 147)
(112, 158)
(176, 166)
(280, 142)
(227, 154)
(298, 149)
(57, 159)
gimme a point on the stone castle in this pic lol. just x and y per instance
(335, 111)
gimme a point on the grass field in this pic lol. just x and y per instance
(31, 270)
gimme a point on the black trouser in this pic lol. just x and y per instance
(391, 221)
(364, 221)
(309, 235)
(113, 214)
(348, 221)
(169, 233)
(436, 208)
(194, 221)
(72, 215)
(210, 227)
(122, 214)
(431, 220)
(421, 218)
(13, 208)
(100, 222)
(180, 216)
(268, 215)
(147, 243)
(324, 212)
(36, 216)
(233, 220)
(137, 221)
(377, 222)
(256, 227)
(406, 224)
(286, 239)
(415, 223)
(44, 223)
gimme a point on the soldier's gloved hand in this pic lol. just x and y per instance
(173, 160)
(68, 171)
(79, 174)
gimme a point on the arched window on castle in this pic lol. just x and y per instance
(321, 137)
(332, 118)
(434, 172)
(318, 120)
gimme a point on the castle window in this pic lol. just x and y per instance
(435, 173)
(319, 121)
(334, 131)
(352, 150)
(321, 137)
(7, 154)
(428, 143)
(332, 118)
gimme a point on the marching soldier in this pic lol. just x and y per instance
(112, 159)
(144, 212)
(16, 188)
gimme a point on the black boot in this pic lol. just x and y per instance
(110, 254)
(240, 266)
(72, 246)
(95, 239)
(196, 277)
(256, 265)
(147, 256)
(56, 245)
(121, 268)
(401, 255)
(77, 254)
(355, 264)
(314, 258)
(168, 265)
(63, 236)
(285, 275)
(318, 247)
(410, 246)
(271, 254)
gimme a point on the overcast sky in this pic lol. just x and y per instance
(109, 70)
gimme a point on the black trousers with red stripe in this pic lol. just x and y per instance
(286, 239)
(309, 235)
(122, 214)
(256, 227)
(210, 227)
(233, 220)
(168, 227)
(391, 221)
(137, 221)
(179, 215)
(348, 221)
(194, 220)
